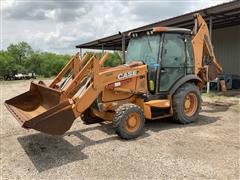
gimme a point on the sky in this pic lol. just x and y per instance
(58, 26)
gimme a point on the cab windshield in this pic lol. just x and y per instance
(144, 48)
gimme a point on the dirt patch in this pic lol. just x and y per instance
(208, 148)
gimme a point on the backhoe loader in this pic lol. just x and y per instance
(165, 70)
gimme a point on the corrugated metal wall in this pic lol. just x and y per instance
(226, 42)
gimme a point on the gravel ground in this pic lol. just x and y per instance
(206, 149)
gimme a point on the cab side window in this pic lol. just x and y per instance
(173, 60)
(173, 51)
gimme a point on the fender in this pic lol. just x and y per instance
(180, 82)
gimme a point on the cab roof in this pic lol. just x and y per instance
(161, 30)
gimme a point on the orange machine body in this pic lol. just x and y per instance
(52, 109)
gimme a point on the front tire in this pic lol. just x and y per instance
(186, 104)
(129, 121)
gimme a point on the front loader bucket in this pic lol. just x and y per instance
(42, 109)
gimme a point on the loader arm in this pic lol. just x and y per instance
(206, 65)
(99, 79)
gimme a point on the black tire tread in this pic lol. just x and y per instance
(177, 99)
(121, 112)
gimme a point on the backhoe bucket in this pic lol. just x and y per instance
(42, 109)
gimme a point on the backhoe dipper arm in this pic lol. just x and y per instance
(203, 50)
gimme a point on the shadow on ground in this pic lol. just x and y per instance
(48, 152)
(167, 123)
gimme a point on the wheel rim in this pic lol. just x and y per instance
(133, 122)
(190, 104)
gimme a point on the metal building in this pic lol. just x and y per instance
(224, 26)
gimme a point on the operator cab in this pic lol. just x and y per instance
(167, 52)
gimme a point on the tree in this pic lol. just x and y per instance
(7, 63)
(20, 51)
(51, 64)
(20, 58)
(113, 59)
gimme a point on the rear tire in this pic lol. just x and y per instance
(186, 104)
(129, 121)
(89, 118)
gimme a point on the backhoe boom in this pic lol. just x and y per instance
(204, 51)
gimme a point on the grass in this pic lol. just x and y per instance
(211, 94)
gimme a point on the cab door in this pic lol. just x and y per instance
(172, 61)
